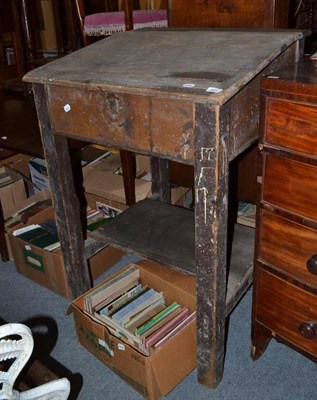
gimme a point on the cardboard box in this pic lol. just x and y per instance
(100, 158)
(94, 201)
(38, 173)
(156, 375)
(11, 195)
(110, 186)
(43, 195)
(47, 267)
(19, 164)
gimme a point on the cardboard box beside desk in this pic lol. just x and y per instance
(22, 205)
(47, 267)
(156, 375)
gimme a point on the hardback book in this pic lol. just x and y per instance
(24, 214)
(161, 321)
(111, 287)
(174, 331)
(246, 214)
(38, 236)
(143, 290)
(95, 218)
(157, 318)
(161, 332)
(124, 298)
(137, 305)
(144, 315)
(115, 296)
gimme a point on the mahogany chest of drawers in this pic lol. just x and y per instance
(285, 270)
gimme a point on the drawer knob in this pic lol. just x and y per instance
(308, 329)
(311, 264)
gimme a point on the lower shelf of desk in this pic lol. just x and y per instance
(166, 234)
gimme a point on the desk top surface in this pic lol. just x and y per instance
(188, 63)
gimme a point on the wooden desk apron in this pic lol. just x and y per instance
(188, 95)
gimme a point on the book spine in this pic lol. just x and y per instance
(156, 318)
(175, 331)
(140, 302)
(156, 336)
(113, 306)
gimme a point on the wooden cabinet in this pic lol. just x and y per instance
(285, 273)
(229, 13)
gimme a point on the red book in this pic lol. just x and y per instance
(157, 335)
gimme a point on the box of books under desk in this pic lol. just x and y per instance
(141, 323)
(37, 254)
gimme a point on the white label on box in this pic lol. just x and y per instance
(104, 344)
(121, 346)
(27, 247)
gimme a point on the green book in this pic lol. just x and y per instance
(47, 241)
(31, 234)
(156, 318)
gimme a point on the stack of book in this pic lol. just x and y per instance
(95, 218)
(43, 235)
(99, 215)
(136, 312)
(246, 214)
(24, 214)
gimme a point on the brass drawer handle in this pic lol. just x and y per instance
(311, 264)
(308, 329)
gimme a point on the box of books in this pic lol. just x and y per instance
(141, 323)
(25, 212)
(37, 255)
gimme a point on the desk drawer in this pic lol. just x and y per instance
(124, 120)
(287, 245)
(287, 310)
(291, 185)
(292, 126)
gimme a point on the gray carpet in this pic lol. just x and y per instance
(280, 374)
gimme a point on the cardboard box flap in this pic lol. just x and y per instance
(110, 163)
(185, 284)
(179, 345)
(110, 186)
(43, 195)
(18, 164)
(12, 195)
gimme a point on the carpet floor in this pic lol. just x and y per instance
(280, 374)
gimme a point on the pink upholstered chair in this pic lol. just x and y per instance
(107, 23)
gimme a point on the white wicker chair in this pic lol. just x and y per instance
(16, 343)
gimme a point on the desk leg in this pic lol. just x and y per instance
(65, 201)
(211, 212)
(3, 245)
(128, 171)
(160, 179)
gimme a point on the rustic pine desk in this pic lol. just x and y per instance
(191, 96)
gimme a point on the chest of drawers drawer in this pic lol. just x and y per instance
(290, 185)
(287, 310)
(291, 125)
(288, 246)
